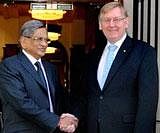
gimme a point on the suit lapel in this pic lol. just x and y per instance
(121, 56)
(49, 77)
(30, 69)
(94, 60)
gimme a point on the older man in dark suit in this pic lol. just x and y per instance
(32, 99)
(121, 81)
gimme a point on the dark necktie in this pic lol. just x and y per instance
(40, 73)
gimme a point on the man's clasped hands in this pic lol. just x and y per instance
(68, 123)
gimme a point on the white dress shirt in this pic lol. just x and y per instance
(104, 54)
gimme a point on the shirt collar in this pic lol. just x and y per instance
(30, 57)
(118, 43)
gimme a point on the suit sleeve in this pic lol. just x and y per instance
(13, 91)
(148, 93)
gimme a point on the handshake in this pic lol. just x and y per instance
(68, 123)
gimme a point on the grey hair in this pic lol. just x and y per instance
(109, 6)
(29, 27)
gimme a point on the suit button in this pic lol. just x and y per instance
(101, 97)
(99, 120)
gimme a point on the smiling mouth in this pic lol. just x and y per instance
(111, 30)
(42, 49)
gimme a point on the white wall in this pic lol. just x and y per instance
(129, 6)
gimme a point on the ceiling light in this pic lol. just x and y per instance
(53, 36)
(54, 31)
(50, 50)
(47, 14)
(49, 11)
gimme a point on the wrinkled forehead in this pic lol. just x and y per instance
(40, 32)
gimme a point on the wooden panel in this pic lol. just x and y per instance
(14, 10)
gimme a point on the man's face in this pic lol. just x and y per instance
(113, 24)
(36, 44)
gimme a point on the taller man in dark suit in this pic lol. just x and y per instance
(32, 99)
(121, 80)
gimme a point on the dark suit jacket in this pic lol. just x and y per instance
(128, 102)
(24, 98)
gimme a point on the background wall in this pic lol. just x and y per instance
(9, 30)
(72, 33)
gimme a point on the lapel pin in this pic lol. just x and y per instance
(124, 51)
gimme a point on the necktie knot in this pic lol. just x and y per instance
(38, 65)
(112, 47)
(40, 72)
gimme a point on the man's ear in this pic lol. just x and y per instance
(127, 20)
(22, 42)
(100, 27)
(21, 39)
